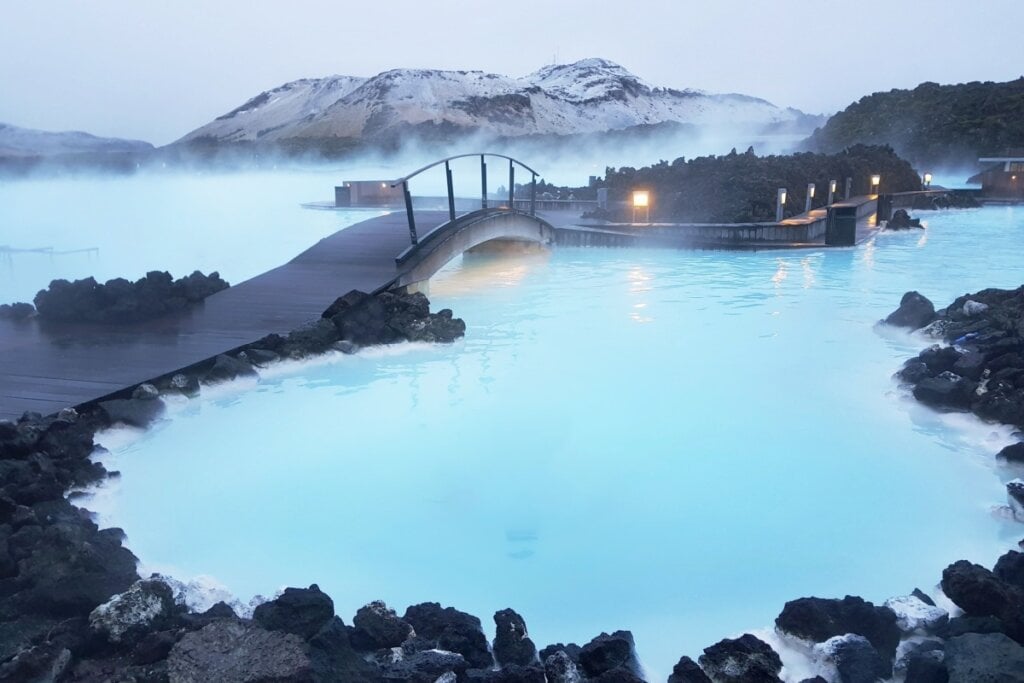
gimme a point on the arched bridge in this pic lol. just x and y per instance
(47, 368)
(496, 219)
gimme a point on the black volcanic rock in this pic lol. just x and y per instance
(980, 593)
(302, 611)
(946, 390)
(121, 301)
(915, 312)
(914, 371)
(607, 652)
(389, 317)
(133, 412)
(957, 626)
(923, 597)
(687, 671)
(858, 662)
(819, 619)
(571, 649)
(901, 220)
(379, 626)
(1010, 568)
(232, 651)
(1013, 453)
(746, 659)
(982, 658)
(334, 659)
(512, 644)
(426, 667)
(559, 667)
(927, 667)
(451, 630)
(17, 311)
(72, 568)
(939, 359)
(511, 673)
(225, 368)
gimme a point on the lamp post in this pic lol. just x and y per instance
(848, 189)
(876, 183)
(832, 184)
(810, 197)
(780, 202)
(642, 200)
(927, 181)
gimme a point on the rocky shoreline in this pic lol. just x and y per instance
(978, 367)
(73, 608)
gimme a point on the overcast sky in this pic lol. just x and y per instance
(156, 69)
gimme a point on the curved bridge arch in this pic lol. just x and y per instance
(430, 252)
(421, 261)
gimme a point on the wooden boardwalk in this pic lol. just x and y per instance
(45, 367)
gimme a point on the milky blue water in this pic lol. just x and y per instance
(241, 225)
(671, 442)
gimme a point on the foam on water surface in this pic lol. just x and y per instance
(670, 442)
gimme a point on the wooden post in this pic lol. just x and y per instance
(451, 191)
(409, 213)
(511, 184)
(483, 182)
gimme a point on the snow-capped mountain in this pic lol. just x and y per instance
(27, 142)
(589, 96)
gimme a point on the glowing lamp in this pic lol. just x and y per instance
(810, 189)
(832, 186)
(383, 184)
(876, 180)
(641, 199)
(782, 197)
(927, 178)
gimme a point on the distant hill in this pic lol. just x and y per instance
(933, 125)
(25, 150)
(27, 142)
(591, 96)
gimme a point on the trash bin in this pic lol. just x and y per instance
(841, 226)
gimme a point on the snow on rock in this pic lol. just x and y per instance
(203, 592)
(850, 657)
(588, 96)
(973, 308)
(913, 614)
(133, 612)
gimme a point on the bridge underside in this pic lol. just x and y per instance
(486, 227)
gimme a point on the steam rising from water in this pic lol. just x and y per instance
(681, 473)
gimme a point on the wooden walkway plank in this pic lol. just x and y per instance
(45, 367)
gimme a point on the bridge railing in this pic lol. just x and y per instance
(512, 163)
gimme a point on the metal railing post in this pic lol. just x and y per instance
(483, 182)
(451, 191)
(533, 194)
(409, 213)
(511, 184)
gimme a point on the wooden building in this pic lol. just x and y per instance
(368, 193)
(1002, 177)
